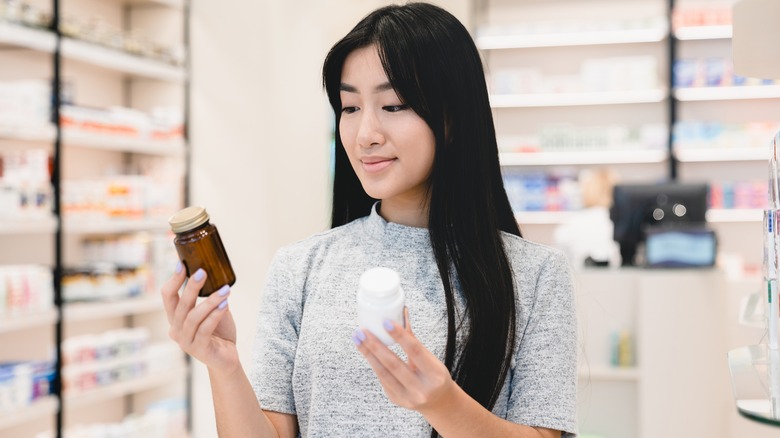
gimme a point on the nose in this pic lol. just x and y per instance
(370, 130)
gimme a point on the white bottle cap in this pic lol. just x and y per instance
(380, 282)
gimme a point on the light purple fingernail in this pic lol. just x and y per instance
(179, 267)
(224, 290)
(223, 304)
(360, 335)
(388, 325)
(199, 275)
(356, 340)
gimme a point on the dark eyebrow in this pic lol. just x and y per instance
(379, 88)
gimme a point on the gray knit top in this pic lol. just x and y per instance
(305, 362)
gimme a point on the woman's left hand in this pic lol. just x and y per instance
(422, 383)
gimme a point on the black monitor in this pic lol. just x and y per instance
(638, 207)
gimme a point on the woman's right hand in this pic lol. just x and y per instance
(205, 331)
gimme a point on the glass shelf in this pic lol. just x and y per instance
(564, 39)
(582, 157)
(704, 155)
(755, 379)
(87, 311)
(37, 410)
(30, 320)
(28, 226)
(17, 35)
(116, 60)
(577, 99)
(173, 147)
(114, 226)
(744, 92)
(690, 33)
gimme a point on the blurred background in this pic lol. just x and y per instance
(114, 114)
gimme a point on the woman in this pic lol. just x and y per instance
(493, 346)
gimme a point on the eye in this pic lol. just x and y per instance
(349, 109)
(395, 108)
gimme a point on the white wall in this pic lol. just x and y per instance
(260, 129)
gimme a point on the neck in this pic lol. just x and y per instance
(410, 213)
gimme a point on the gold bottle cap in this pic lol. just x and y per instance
(188, 218)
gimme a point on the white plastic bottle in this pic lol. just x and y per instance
(380, 297)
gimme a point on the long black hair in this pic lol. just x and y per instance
(433, 65)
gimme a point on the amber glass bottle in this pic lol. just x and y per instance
(199, 246)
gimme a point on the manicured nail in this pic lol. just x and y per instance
(223, 304)
(179, 267)
(199, 275)
(356, 340)
(388, 325)
(224, 290)
(360, 335)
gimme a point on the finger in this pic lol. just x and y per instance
(407, 322)
(170, 290)
(389, 360)
(191, 326)
(390, 384)
(188, 297)
(205, 332)
(423, 359)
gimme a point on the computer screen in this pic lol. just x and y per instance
(639, 207)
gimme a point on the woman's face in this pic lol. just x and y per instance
(389, 146)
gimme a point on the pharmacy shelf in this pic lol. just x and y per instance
(735, 215)
(120, 389)
(703, 155)
(116, 143)
(543, 217)
(17, 35)
(175, 4)
(87, 311)
(116, 60)
(703, 33)
(577, 99)
(28, 226)
(113, 226)
(582, 158)
(728, 93)
(593, 38)
(628, 374)
(43, 407)
(28, 321)
(42, 133)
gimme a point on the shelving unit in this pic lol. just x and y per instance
(94, 76)
(632, 402)
(720, 107)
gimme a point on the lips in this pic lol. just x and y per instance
(373, 165)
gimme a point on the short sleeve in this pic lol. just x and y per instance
(543, 385)
(276, 340)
